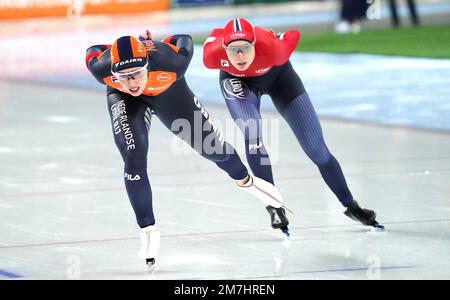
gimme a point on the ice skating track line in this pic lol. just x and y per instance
(9, 275)
(218, 233)
(288, 274)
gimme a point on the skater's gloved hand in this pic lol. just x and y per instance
(145, 36)
(146, 39)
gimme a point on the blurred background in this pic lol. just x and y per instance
(44, 41)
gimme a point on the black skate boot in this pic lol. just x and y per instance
(278, 219)
(365, 216)
(150, 262)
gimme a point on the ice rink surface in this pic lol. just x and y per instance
(64, 210)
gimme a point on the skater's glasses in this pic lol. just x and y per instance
(123, 77)
(235, 50)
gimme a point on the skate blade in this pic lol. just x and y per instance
(288, 209)
(286, 233)
(378, 227)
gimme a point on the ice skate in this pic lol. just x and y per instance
(264, 191)
(278, 219)
(150, 238)
(365, 216)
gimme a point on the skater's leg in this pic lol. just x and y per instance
(243, 104)
(130, 121)
(303, 121)
(302, 118)
(293, 103)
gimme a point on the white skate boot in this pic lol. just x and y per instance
(150, 238)
(264, 191)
